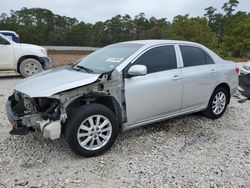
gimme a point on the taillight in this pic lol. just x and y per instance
(237, 70)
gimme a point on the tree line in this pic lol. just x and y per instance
(225, 31)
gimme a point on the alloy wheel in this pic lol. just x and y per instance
(94, 132)
(219, 103)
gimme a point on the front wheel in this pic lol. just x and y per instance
(217, 104)
(30, 67)
(91, 130)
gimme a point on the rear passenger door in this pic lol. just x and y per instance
(159, 92)
(199, 77)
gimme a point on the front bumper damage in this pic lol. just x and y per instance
(49, 113)
(26, 114)
(16, 121)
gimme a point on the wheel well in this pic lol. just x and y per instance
(109, 102)
(26, 57)
(226, 86)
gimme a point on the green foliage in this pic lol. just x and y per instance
(226, 32)
(237, 40)
(230, 6)
(192, 29)
(232, 30)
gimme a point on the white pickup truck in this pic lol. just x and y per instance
(24, 59)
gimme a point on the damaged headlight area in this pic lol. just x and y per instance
(50, 108)
(27, 114)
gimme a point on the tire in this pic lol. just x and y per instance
(211, 111)
(30, 67)
(79, 130)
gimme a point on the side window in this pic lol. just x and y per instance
(3, 41)
(158, 59)
(193, 56)
(208, 59)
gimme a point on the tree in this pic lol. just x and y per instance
(192, 29)
(215, 21)
(236, 39)
(227, 31)
(210, 14)
(230, 6)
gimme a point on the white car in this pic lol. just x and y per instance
(24, 59)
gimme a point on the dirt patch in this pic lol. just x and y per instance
(236, 60)
(66, 57)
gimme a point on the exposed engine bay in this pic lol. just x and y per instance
(48, 114)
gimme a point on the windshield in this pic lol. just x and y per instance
(108, 58)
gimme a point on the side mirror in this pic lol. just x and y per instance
(137, 70)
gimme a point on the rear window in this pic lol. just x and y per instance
(193, 56)
(208, 59)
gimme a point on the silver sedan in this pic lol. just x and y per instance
(120, 87)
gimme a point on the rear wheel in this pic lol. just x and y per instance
(217, 104)
(91, 130)
(30, 67)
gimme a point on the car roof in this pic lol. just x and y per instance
(158, 42)
(147, 44)
(6, 31)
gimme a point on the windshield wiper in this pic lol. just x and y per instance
(84, 68)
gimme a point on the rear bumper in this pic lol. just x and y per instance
(47, 62)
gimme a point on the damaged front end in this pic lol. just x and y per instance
(29, 114)
(49, 114)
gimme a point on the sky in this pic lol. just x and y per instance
(92, 11)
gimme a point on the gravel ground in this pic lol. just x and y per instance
(190, 151)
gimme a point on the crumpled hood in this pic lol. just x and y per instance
(53, 81)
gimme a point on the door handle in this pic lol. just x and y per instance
(212, 71)
(176, 77)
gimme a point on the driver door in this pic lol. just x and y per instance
(6, 55)
(158, 93)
